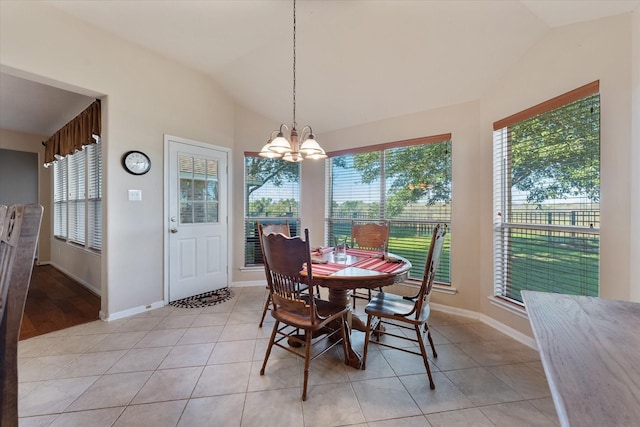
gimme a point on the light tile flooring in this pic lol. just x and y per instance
(200, 367)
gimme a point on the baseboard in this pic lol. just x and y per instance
(507, 330)
(90, 288)
(131, 311)
(248, 283)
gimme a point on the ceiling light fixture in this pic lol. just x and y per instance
(290, 149)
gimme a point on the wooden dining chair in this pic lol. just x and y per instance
(407, 312)
(268, 229)
(295, 311)
(19, 229)
(369, 236)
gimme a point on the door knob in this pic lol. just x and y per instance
(173, 230)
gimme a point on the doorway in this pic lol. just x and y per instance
(197, 232)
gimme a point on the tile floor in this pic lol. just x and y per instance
(199, 367)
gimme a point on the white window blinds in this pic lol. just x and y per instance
(407, 183)
(547, 197)
(78, 197)
(272, 196)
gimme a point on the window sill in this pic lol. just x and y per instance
(442, 289)
(511, 308)
(252, 268)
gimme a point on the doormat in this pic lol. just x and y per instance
(204, 300)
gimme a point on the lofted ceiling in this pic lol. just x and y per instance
(357, 61)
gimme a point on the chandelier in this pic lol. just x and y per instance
(293, 149)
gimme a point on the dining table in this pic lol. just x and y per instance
(360, 269)
(590, 352)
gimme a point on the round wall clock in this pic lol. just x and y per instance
(136, 162)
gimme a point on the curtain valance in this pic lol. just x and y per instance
(74, 135)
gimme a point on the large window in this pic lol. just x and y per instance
(272, 196)
(407, 183)
(77, 198)
(547, 195)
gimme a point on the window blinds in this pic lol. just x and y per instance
(546, 198)
(272, 196)
(408, 183)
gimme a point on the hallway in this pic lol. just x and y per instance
(55, 301)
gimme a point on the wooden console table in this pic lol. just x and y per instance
(590, 350)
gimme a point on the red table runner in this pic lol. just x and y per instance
(378, 264)
(363, 253)
(326, 269)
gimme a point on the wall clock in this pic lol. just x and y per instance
(136, 162)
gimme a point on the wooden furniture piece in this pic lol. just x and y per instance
(285, 258)
(263, 230)
(590, 351)
(407, 312)
(18, 238)
(349, 276)
(373, 237)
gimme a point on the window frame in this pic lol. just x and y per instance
(251, 243)
(330, 221)
(503, 221)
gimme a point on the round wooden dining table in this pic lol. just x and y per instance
(361, 269)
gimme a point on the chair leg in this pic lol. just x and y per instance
(433, 347)
(425, 359)
(367, 334)
(307, 359)
(266, 308)
(271, 340)
(345, 333)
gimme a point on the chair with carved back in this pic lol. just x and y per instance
(19, 228)
(295, 311)
(412, 313)
(268, 229)
(370, 236)
(264, 229)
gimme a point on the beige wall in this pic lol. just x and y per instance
(563, 60)
(144, 97)
(635, 159)
(20, 141)
(150, 97)
(462, 122)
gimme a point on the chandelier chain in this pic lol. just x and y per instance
(294, 63)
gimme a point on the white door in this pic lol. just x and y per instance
(197, 222)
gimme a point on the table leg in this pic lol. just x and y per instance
(341, 297)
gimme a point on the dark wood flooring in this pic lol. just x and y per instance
(55, 301)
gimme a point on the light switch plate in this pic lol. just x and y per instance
(135, 195)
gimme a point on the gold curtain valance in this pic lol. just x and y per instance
(74, 135)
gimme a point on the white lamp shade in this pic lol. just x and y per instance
(280, 145)
(317, 156)
(266, 152)
(293, 157)
(310, 146)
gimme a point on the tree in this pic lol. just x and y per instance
(260, 171)
(415, 173)
(556, 155)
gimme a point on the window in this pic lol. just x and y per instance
(77, 198)
(547, 195)
(407, 183)
(272, 196)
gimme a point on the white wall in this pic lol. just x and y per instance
(144, 97)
